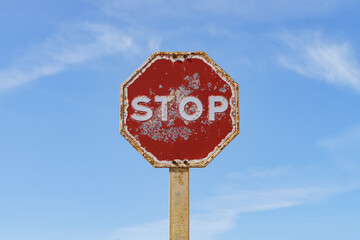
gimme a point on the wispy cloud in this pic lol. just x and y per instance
(344, 149)
(314, 56)
(347, 139)
(217, 214)
(220, 212)
(157, 230)
(203, 226)
(259, 173)
(272, 188)
(243, 201)
(75, 45)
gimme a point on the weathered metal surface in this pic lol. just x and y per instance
(179, 109)
(179, 204)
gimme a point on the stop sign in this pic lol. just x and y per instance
(179, 109)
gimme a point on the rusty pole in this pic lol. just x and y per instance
(179, 204)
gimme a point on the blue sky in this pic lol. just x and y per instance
(293, 172)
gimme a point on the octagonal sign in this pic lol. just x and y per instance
(179, 109)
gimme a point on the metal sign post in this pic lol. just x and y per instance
(179, 110)
(179, 204)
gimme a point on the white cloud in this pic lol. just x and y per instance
(266, 189)
(317, 57)
(210, 225)
(202, 226)
(349, 138)
(243, 201)
(259, 173)
(344, 149)
(157, 230)
(218, 214)
(155, 43)
(14, 77)
(75, 45)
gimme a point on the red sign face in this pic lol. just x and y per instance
(179, 109)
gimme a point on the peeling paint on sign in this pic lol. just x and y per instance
(179, 109)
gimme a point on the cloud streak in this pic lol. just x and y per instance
(344, 149)
(221, 212)
(77, 45)
(347, 139)
(256, 173)
(314, 56)
(217, 215)
(269, 189)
